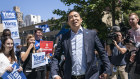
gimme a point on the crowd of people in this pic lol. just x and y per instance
(80, 48)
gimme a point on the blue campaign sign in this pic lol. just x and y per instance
(8, 15)
(45, 28)
(14, 74)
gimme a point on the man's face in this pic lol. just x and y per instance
(74, 20)
(119, 37)
(133, 20)
(38, 34)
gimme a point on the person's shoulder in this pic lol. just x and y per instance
(90, 31)
(1, 54)
(139, 28)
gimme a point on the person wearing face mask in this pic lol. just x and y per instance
(26, 57)
(7, 56)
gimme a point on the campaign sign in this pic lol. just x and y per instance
(14, 74)
(8, 15)
(38, 59)
(9, 21)
(47, 46)
(14, 33)
(16, 43)
(9, 24)
(45, 28)
(13, 26)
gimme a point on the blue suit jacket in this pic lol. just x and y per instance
(91, 42)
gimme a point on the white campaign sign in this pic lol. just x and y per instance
(9, 21)
(38, 59)
(9, 24)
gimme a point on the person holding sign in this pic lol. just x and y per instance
(7, 56)
(26, 57)
(41, 71)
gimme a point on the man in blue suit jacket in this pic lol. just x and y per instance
(78, 46)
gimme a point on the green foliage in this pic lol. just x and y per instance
(92, 12)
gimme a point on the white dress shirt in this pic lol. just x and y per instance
(78, 53)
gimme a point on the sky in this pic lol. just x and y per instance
(44, 8)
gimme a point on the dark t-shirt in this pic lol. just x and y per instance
(117, 58)
(27, 64)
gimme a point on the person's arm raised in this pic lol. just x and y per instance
(25, 54)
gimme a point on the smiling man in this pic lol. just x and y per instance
(135, 35)
(78, 46)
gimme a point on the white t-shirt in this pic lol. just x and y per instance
(4, 63)
(135, 34)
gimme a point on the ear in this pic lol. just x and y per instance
(81, 20)
(138, 20)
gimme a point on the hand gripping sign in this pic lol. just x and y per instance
(14, 74)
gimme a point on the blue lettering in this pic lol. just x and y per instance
(38, 59)
(16, 74)
(9, 77)
(10, 23)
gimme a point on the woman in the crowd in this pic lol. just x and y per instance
(7, 57)
(26, 57)
(5, 33)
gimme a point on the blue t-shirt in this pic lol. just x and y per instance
(117, 58)
(37, 44)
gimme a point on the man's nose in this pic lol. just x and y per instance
(40, 33)
(74, 18)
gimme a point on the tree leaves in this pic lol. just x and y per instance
(92, 12)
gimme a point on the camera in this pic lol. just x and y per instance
(110, 37)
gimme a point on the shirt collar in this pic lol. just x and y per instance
(80, 30)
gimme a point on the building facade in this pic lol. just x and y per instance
(31, 20)
(19, 16)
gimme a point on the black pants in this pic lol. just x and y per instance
(41, 74)
(30, 75)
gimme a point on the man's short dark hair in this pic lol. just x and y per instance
(72, 11)
(38, 29)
